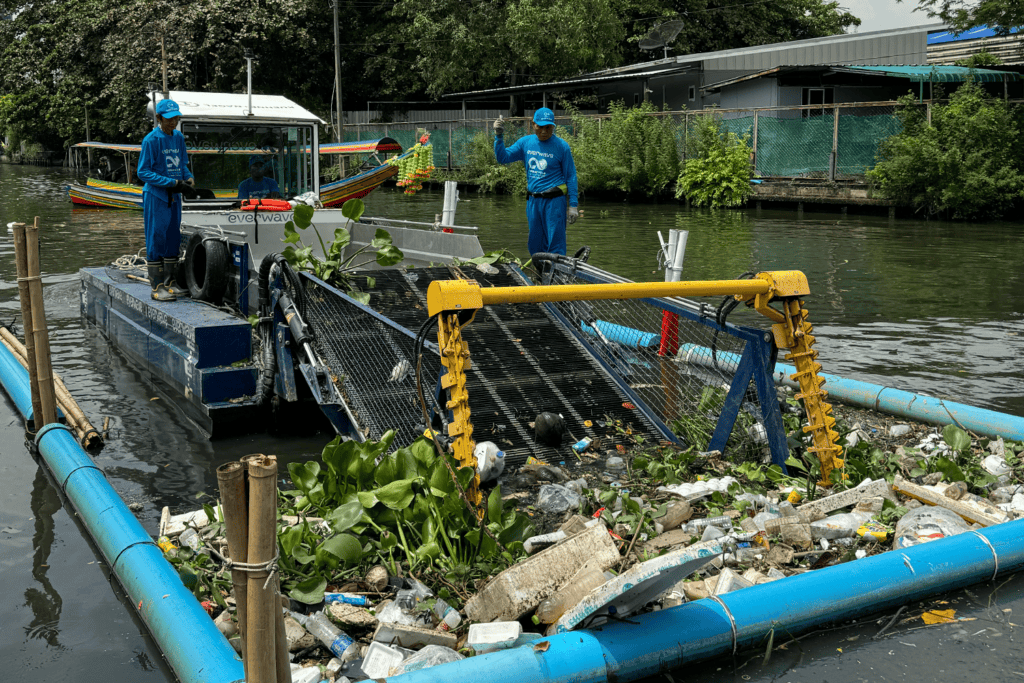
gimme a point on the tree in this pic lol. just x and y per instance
(983, 58)
(961, 15)
(965, 164)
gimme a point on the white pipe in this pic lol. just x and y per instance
(451, 198)
(677, 255)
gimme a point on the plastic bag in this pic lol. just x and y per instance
(839, 526)
(490, 461)
(927, 523)
(553, 499)
(431, 655)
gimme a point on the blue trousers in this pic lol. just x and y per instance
(163, 226)
(547, 224)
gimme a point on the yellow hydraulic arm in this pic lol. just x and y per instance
(456, 301)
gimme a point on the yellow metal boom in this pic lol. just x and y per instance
(448, 299)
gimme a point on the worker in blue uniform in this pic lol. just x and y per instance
(258, 186)
(550, 181)
(163, 167)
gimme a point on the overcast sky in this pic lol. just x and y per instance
(878, 15)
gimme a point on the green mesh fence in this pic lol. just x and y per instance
(789, 142)
(860, 133)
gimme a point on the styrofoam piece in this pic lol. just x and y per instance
(380, 659)
(638, 586)
(306, 674)
(493, 636)
(172, 525)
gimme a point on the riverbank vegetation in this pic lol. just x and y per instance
(966, 163)
(65, 61)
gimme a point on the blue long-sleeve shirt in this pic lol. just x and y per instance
(548, 163)
(163, 161)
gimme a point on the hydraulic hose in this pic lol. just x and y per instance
(266, 326)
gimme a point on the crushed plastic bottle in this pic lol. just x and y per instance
(554, 499)
(189, 538)
(490, 461)
(447, 617)
(347, 599)
(839, 526)
(567, 597)
(332, 637)
(431, 655)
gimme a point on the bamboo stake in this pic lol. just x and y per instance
(231, 477)
(21, 258)
(44, 370)
(262, 604)
(87, 434)
(284, 668)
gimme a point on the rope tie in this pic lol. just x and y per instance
(732, 621)
(252, 567)
(30, 278)
(995, 555)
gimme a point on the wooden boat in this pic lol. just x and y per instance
(125, 193)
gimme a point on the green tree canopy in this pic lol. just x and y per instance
(961, 15)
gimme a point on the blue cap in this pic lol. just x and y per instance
(167, 109)
(255, 159)
(544, 117)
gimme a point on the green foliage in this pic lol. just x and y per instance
(483, 169)
(717, 171)
(404, 509)
(1001, 15)
(983, 58)
(629, 151)
(965, 165)
(335, 268)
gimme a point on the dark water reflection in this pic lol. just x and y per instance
(929, 307)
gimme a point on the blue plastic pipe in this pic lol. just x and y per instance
(884, 399)
(194, 648)
(662, 641)
(620, 334)
(14, 378)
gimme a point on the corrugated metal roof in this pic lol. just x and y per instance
(235, 106)
(971, 34)
(936, 73)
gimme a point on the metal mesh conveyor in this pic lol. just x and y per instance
(523, 362)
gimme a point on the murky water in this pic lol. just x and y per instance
(928, 307)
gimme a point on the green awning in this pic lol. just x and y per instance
(937, 74)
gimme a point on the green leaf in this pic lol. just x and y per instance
(361, 297)
(428, 532)
(388, 541)
(310, 591)
(345, 547)
(290, 236)
(304, 474)
(957, 438)
(353, 209)
(431, 550)
(397, 495)
(381, 238)
(303, 216)
(344, 517)
(494, 505)
(389, 255)
(342, 238)
(950, 471)
(386, 470)
(289, 539)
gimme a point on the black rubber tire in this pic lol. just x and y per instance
(206, 268)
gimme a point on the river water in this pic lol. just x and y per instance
(929, 307)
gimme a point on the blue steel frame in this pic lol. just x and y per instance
(754, 363)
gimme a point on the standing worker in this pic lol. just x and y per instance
(163, 167)
(550, 180)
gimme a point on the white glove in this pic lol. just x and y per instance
(499, 126)
(572, 214)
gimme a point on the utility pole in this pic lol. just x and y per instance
(338, 132)
(163, 58)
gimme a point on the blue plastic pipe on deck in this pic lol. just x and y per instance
(188, 638)
(14, 378)
(620, 334)
(884, 399)
(661, 641)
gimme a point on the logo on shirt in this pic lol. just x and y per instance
(173, 162)
(538, 164)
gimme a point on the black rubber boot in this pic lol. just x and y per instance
(155, 270)
(170, 277)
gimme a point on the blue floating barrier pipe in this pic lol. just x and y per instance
(14, 378)
(883, 399)
(188, 638)
(661, 641)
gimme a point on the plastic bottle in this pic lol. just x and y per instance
(490, 460)
(333, 638)
(447, 616)
(190, 539)
(165, 544)
(695, 525)
(570, 595)
(347, 598)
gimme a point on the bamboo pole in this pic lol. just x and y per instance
(231, 478)
(73, 413)
(44, 370)
(21, 258)
(262, 604)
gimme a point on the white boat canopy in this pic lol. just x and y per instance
(210, 105)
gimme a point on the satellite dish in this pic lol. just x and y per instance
(662, 35)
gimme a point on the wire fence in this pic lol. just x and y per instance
(815, 141)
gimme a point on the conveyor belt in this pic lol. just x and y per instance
(523, 363)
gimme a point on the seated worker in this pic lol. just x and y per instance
(256, 186)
